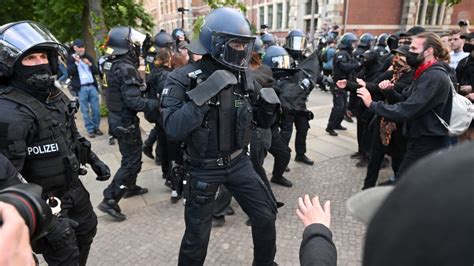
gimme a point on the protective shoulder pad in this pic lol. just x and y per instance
(128, 73)
(5, 89)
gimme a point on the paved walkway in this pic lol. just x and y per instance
(152, 233)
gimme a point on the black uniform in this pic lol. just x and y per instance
(344, 67)
(216, 136)
(123, 97)
(40, 138)
(305, 80)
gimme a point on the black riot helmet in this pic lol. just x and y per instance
(19, 38)
(258, 47)
(366, 40)
(347, 40)
(124, 40)
(177, 33)
(268, 40)
(276, 57)
(226, 37)
(382, 39)
(296, 41)
(163, 40)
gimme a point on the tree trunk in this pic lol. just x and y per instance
(86, 31)
(96, 19)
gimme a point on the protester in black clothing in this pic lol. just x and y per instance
(429, 94)
(387, 137)
(465, 78)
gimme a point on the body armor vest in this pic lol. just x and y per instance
(50, 159)
(228, 126)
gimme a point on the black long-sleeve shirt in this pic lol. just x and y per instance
(431, 92)
(317, 247)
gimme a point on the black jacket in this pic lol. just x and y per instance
(317, 248)
(431, 92)
(74, 73)
(465, 71)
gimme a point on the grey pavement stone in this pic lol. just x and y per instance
(152, 232)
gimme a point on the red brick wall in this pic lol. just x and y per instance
(386, 12)
(464, 10)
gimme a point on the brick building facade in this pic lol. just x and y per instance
(357, 16)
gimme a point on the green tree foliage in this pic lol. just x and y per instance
(68, 19)
(214, 4)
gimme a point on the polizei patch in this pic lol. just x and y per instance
(42, 150)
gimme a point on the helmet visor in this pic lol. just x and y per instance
(16, 39)
(232, 50)
(296, 43)
(281, 62)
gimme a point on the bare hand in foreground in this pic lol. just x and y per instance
(364, 94)
(341, 84)
(311, 212)
(385, 85)
(14, 238)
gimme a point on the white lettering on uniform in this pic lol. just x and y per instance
(43, 149)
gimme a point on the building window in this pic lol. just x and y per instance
(308, 8)
(261, 11)
(279, 16)
(287, 14)
(430, 13)
(270, 16)
(307, 24)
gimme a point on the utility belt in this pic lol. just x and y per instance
(87, 84)
(220, 162)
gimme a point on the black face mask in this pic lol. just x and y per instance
(414, 59)
(38, 77)
(468, 47)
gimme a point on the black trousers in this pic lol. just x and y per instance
(130, 147)
(417, 148)
(76, 205)
(377, 154)
(364, 132)
(280, 151)
(301, 124)
(339, 102)
(152, 138)
(251, 194)
(169, 150)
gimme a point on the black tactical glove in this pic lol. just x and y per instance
(309, 115)
(61, 234)
(99, 167)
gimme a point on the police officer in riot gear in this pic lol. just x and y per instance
(366, 41)
(207, 105)
(296, 45)
(38, 135)
(345, 66)
(381, 46)
(268, 39)
(123, 89)
(161, 40)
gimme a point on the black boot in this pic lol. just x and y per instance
(111, 207)
(281, 181)
(148, 151)
(135, 191)
(303, 159)
(331, 132)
